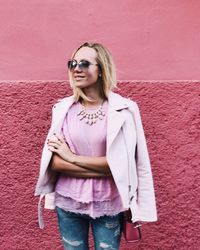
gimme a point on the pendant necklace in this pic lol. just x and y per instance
(91, 118)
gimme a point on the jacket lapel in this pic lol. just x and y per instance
(60, 112)
(115, 118)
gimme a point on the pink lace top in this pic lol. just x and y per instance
(92, 196)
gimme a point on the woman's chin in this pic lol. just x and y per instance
(85, 82)
(80, 84)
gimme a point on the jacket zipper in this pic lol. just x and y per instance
(129, 182)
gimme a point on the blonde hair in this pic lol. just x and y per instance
(107, 81)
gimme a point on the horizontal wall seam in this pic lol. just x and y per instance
(118, 81)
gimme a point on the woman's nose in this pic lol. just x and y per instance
(77, 68)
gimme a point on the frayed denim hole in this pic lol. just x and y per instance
(113, 224)
(74, 243)
(105, 246)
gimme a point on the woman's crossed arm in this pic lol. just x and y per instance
(71, 169)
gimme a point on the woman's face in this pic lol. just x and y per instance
(85, 77)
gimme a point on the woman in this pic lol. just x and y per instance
(95, 162)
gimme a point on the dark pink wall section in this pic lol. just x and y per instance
(171, 118)
(148, 39)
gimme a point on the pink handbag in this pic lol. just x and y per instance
(131, 231)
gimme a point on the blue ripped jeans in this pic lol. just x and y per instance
(74, 230)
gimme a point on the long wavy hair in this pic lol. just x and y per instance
(107, 81)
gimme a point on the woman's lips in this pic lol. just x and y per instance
(79, 78)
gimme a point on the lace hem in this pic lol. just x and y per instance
(79, 198)
(94, 209)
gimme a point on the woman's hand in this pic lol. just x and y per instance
(57, 145)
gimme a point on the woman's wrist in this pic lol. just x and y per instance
(71, 158)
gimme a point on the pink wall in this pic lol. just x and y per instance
(149, 39)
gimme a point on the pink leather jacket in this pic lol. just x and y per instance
(127, 156)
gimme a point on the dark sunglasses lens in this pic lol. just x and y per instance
(71, 64)
(84, 64)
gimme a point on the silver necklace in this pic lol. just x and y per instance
(91, 118)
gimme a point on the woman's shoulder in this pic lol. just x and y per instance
(119, 96)
(121, 102)
(130, 102)
(64, 101)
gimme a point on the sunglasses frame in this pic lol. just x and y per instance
(80, 66)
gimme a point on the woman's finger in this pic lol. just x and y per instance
(54, 144)
(53, 139)
(52, 149)
(60, 138)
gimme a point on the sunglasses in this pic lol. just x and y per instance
(82, 65)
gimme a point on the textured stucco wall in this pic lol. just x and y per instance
(149, 39)
(171, 118)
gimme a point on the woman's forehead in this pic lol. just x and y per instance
(85, 53)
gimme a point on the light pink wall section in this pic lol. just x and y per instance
(148, 39)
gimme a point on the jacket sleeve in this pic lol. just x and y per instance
(44, 175)
(145, 191)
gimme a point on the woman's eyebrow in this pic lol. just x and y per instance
(89, 60)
